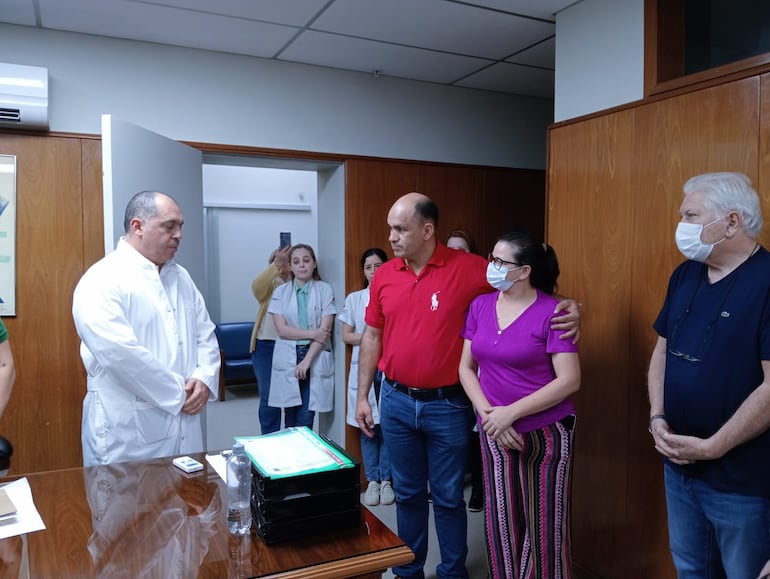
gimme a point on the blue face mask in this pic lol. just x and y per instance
(496, 278)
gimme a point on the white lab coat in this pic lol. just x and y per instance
(353, 315)
(284, 386)
(143, 333)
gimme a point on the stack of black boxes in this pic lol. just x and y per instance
(291, 507)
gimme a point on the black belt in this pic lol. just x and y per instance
(427, 394)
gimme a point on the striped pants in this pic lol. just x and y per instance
(527, 504)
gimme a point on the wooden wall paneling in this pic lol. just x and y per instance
(588, 225)
(457, 192)
(714, 129)
(615, 185)
(93, 202)
(371, 187)
(511, 198)
(763, 176)
(43, 421)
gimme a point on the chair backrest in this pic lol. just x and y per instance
(234, 339)
(6, 451)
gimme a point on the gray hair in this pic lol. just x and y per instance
(726, 192)
(143, 205)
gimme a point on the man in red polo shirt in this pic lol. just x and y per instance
(416, 311)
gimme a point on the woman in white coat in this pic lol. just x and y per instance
(373, 451)
(302, 380)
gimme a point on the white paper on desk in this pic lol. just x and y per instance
(219, 464)
(292, 451)
(27, 518)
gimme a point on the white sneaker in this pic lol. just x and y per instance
(387, 496)
(372, 494)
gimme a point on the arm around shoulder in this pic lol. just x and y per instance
(567, 316)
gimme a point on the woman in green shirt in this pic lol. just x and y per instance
(7, 370)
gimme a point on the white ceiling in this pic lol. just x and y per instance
(499, 45)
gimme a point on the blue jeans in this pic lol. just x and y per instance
(300, 415)
(428, 441)
(262, 361)
(715, 534)
(375, 455)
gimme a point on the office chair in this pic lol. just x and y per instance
(6, 450)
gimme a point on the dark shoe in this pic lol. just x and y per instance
(476, 502)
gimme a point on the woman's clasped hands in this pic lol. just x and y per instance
(497, 422)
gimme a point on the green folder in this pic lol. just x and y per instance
(293, 452)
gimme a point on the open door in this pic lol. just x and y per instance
(135, 159)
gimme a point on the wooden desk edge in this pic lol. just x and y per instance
(352, 567)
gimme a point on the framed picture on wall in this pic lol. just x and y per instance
(7, 235)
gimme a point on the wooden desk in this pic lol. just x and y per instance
(149, 519)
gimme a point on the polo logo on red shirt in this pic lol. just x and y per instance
(434, 301)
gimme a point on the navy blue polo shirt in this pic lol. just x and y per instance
(717, 336)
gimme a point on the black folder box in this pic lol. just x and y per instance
(292, 507)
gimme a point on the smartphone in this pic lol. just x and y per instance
(285, 239)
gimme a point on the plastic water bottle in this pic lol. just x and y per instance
(239, 491)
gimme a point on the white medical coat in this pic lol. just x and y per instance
(284, 386)
(353, 315)
(143, 333)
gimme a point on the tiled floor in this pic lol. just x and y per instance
(237, 416)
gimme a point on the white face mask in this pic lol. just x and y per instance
(496, 278)
(689, 242)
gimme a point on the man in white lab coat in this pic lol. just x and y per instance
(147, 343)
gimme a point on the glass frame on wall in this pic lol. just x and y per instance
(689, 42)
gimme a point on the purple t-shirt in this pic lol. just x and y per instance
(516, 361)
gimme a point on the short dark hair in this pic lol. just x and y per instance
(541, 258)
(428, 210)
(142, 206)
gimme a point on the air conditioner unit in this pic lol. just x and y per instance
(23, 96)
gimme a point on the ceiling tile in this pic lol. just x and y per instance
(543, 54)
(544, 9)
(431, 40)
(460, 29)
(292, 12)
(512, 78)
(391, 60)
(18, 12)
(165, 25)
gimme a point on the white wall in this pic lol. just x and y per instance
(197, 95)
(599, 56)
(331, 265)
(239, 239)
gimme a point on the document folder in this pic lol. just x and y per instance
(302, 484)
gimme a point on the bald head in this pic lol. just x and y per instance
(412, 220)
(422, 205)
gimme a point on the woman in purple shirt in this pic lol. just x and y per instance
(519, 376)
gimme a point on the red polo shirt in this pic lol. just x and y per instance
(421, 316)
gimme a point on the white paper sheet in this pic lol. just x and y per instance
(27, 519)
(219, 463)
(291, 451)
